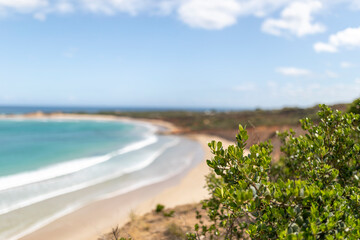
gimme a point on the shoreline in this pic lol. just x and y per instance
(99, 217)
(164, 127)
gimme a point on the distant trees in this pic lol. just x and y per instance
(313, 192)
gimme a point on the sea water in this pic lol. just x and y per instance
(49, 168)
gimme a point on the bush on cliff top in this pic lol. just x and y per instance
(355, 106)
(313, 192)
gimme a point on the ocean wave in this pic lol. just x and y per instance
(69, 167)
(147, 183)
(77, 206)
(44, 222)
(143, 164)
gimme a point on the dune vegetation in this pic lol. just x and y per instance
(311, 193)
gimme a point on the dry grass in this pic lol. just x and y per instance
(155, 225)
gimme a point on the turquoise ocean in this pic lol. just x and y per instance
(50, 168)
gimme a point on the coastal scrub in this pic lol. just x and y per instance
(311, 193)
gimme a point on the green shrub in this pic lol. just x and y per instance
(169, 214)
(355, 106)
(312, 193)
(159, 208)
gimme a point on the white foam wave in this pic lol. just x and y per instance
(75, 207)
(150, 159)
(62, 169)
(45, 222)
(44, 197)
(147, 183)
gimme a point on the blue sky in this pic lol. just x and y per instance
(179, 53)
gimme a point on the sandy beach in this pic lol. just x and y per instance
(99, 217)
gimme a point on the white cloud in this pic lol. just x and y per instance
(38, 8)
(314, 93)
(296, 19)
(355, 4)
(23, 5)
(41, 16)
(297, 16)
(97, 6)
(132, 7)
(346, 64)
(64, 7)
(301, 72)
(324, 47)
(348, 38)
(293, 72)
(331, 74)
(167, 7)
(209, 14)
